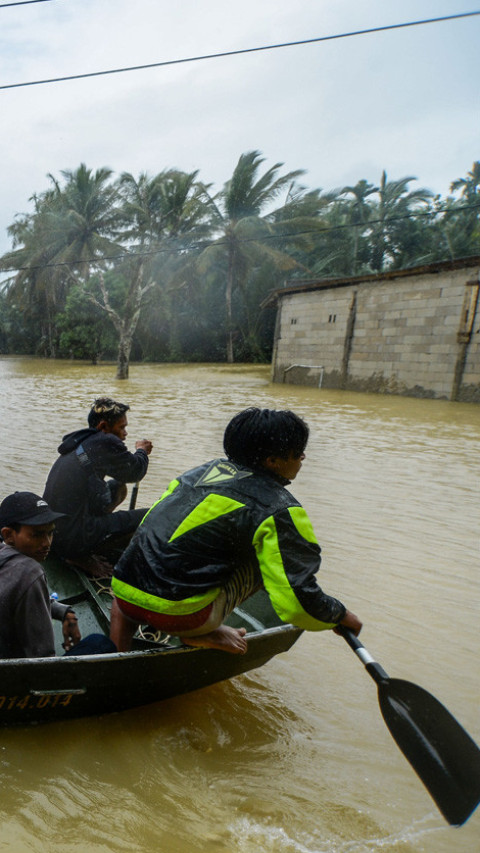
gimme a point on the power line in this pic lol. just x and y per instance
(22, 3)
(239, 52)
(244, 240)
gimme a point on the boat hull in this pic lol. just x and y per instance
(48, 689)
(35, 690)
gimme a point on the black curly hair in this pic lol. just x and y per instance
(255, 434)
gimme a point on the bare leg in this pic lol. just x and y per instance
(224, 638)
(122, 629)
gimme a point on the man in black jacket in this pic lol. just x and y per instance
(76, 487)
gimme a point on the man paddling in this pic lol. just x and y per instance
(220, 532)
(76, 487)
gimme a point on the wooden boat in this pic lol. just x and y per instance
(37, 690)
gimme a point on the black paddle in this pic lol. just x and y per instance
(440, 751)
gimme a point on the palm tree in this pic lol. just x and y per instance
(396, 203)
(86, 222)
(87, 226)
(72, 229)
(170, 205)
(358, 213)
(246, 238)
(167, 216)
(470, 186)
(34, 290)
(461, 223)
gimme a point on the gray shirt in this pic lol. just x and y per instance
(26, 611)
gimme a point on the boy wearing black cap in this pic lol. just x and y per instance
(26, 611)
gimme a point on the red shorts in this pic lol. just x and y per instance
(163, 622)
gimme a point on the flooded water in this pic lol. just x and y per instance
(294, 757)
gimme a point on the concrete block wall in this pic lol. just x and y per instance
(405, 336)
(309, 327)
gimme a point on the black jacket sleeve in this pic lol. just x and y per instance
(289, 558)
(111, 458)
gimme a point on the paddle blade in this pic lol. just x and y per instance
(440, 751)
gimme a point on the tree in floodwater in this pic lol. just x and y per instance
(164, 217)
(88, 227)
(125, 317)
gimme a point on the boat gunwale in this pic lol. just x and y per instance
(160, 651)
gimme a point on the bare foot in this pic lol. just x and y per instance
(95, 567)
(224, 638)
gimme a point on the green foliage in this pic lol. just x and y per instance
(18, 335)
(247, 239)
(159, 267)
(83, 331)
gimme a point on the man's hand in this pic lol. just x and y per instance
(71, 631)
(352, 622)
(144, 444)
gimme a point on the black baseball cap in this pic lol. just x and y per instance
(26, 508)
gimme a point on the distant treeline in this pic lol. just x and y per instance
(162, 269)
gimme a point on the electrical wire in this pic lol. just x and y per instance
(278, 237)
(22, 3)
(238, 52)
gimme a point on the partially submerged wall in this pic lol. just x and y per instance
(415, 333)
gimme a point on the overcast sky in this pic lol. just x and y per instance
(405, 100)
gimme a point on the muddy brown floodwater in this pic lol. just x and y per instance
(295, 757)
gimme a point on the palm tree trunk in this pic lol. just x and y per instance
(355, 249)
(228, 309)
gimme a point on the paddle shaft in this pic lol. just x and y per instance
(373, 668)
(133, 497)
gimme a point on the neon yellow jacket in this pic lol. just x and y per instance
(210, 519)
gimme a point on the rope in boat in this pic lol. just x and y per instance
(144, 632)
